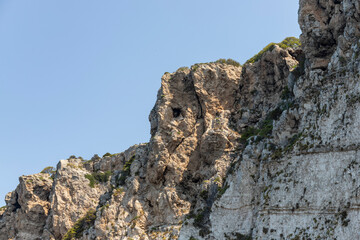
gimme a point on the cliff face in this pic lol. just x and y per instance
(264, 151)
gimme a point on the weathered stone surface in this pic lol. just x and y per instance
(328, 26)
(27, 208)
(305, 187)
(71, 197)
(268, 150)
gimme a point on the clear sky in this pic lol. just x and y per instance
(80, 77)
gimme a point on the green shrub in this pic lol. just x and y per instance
(265, 127)
(102, 177)
(240, 236)
(278, 153)
(126, 171)
(49, 170)
(102, 208)
(204, 194)
(95, 158)
(107, 155)
(275, 114)
(292, 141)
(263, 131)
(127, 165)
(182, 69)
(289, 42)
(228, 61)
(248, 132)
(195, 67)
(91, 179)
(81, 225)
(96, 178)
(217, 180)
(199, 218)
(118, 192)
(135, 218)
(257, 56)
(222, 190)
(286, 93)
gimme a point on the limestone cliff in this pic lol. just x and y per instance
(268, 150)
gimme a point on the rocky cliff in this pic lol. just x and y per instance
(268, 150)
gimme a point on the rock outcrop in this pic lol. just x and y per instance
(268, 150)
(328, 27)
(27, 208)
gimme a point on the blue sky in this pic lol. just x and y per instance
(80, 77)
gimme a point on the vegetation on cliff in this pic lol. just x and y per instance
(81, 225)
(289, 42)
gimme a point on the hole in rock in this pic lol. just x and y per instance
(176, 112)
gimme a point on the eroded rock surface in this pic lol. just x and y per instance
(268, 150)
(27, 208)
(328, 26)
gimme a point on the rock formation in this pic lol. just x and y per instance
(268, 150)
